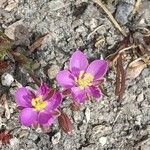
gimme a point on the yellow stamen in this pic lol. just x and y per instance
(84, 80)
(38, 103)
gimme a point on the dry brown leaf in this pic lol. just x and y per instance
(37, 43)
(135, 68)
(65, 123)
(74, 106)
(4, 65)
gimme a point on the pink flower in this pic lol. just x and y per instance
(81, 78)
(39, 107)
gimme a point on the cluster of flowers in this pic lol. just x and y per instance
(81, 79)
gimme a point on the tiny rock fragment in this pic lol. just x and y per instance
(21, 34)
(102, 129)
(87, 114)
(135, 68)
(1, 122)
(11, 5)
(52, 71)
(123, 11)
(56, 138)
(7, 79)
(140, 97)
(2, 3)
(14, 144)
(10, 30)
(103, 140)
(33, 136)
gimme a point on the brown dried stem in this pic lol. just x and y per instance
(110, 16)
(120, 78)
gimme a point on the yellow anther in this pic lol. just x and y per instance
(38, 104)
(84, 80)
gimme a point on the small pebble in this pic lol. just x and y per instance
(52, 71)
(87, 114)
(14, 144)
(103, 140)
(56, 138)
(7, 79)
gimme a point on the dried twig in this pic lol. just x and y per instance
(110, 16)
(100, 42)
(136, 6)
(99, 27)
(37, 43)
(120, 78)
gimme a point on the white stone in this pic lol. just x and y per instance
(87, 114)
(7, 79)
(56, 138)
(140, 97)
(103, 140)
(93, 23)
(14, 144)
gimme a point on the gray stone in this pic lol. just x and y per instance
(144, 11)
(11, 5)
(33, 136)
(123, 12)
(140, 97)
(10, 30)
(14, 144)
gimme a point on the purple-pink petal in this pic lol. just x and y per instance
(65, 79)
(42, 90)
(50, 122)
(97, 68)
(94, 92)
(44, 117)
(23, 97)
(78, 62)
(27, 116)
(54, 102)
(78, 95)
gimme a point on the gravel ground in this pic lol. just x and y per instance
(70, 23)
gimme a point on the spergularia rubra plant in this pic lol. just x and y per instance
(81, 78)
(38, 107)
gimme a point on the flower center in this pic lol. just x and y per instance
(84, 80)
(38, 103)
